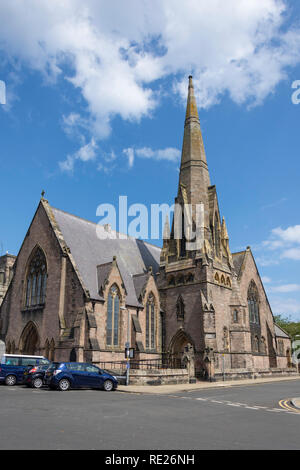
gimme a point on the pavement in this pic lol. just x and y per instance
(170, 389)
(296, 402)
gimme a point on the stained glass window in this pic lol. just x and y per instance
(36, 280)
(113, 314)
(150, 323)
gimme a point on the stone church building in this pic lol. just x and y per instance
(73, 293)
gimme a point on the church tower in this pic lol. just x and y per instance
(197, 281)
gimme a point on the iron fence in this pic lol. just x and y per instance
(165, 362)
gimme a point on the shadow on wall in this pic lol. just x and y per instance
(147, 256)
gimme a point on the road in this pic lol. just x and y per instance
(239, 417)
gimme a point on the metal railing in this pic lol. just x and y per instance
(165, 362)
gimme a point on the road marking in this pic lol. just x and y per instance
(285, 404)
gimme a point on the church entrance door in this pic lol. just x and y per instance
(29, 341)
(178, 346)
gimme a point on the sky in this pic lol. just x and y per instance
(95, 104)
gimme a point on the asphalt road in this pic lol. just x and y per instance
(240, 417)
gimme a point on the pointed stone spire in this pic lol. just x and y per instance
(194, 176)
(224, 232)
(193, 147)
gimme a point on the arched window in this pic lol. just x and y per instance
(47, 349)
(235, 316)
(263, 346)
(253, 301)
(113, 316)
(217, 279)
(228, 283)
(180, 279)
(150, 323)
(52, 350)
(255, 345)
(180, 308)
(222, 279)
(183, 238)
(172, 281)
(36, 280)
(190, 277)
(73, 355)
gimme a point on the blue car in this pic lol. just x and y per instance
(66, 375)
(13, 366)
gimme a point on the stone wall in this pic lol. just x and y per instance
(158, 377)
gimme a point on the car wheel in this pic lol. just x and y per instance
(10, 380)
(37, 383)
(64, 385)
(108, 385)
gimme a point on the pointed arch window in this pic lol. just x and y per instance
(36, 281)
(253, 302)
(183, 238)
(150, 323)
(180, 308)
(113, 317)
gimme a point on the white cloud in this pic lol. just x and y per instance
(169, 154)
(285, 288)
(86, 153)
(284, 244)
(266, 279)
(284, 306)
(116, 50)
(130, 155)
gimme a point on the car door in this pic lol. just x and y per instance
(79, 374)
(95, 379)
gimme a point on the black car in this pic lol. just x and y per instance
(34, 376)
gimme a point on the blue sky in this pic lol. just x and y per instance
(93, 91)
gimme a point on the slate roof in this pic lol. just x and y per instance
(280, 332)
(90, 251)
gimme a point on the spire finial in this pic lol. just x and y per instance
(43, 194)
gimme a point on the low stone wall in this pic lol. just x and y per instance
(240, 374)
(158, 377)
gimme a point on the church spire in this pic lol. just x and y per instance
(194, 174)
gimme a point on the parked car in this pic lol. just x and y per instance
(34, 376)
(13, 366)
(66, 375)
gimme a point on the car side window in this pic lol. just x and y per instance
(28, 361)
(12, 361)
(90, 368)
